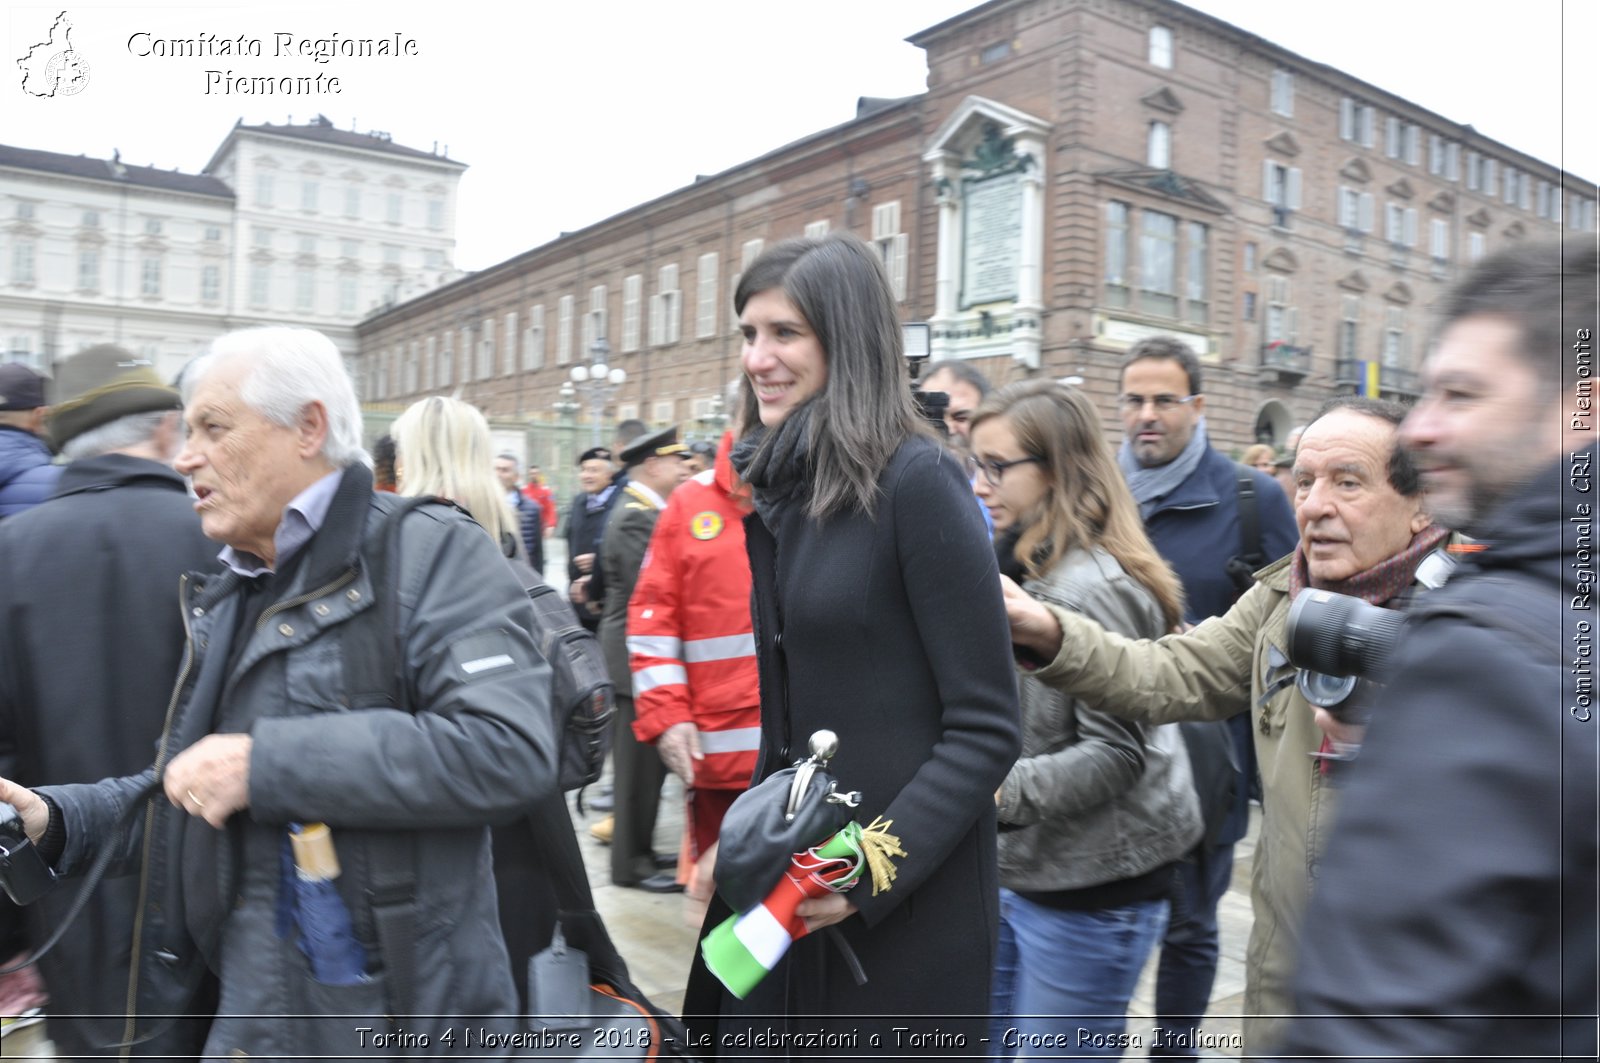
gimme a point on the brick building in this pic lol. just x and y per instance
(1079, 174)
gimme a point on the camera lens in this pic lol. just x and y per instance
(1340, 635)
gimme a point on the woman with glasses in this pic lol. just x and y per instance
(877, 616)
(1097, 811)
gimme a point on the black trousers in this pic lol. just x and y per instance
(637, 777)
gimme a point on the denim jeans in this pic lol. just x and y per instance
(1063, 978)
(1188, 965)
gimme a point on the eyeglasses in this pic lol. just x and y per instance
(994, 471)
(1162, 403)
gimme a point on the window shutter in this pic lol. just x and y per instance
(897, 266)
(1294, 188)
(1411, 227)
(1368, 209)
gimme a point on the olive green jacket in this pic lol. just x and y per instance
(1225, 666)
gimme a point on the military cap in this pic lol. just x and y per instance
(603, 453)
(661, 443)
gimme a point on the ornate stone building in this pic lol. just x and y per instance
(303, 223)
(1079, 174)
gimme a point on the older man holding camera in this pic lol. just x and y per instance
(1362, 532)
(272, 726)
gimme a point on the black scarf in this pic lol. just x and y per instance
(775, 463)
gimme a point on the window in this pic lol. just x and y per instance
(150, 276)
(632, 296)
(1474, 171)
(22, 262)
(1116, 254)
(511, 342)
(310, 194)
(1394, 336)
(408, 368)
(152, 226)
(1581, 216)
(213, 234)
(89, 269)
(307, 244)
(1489, 174)
(533, 339)
(1281, 189)
(1282, 93)
(564, 310)
(436, 214)
(1250, 256)
(1435, 154)
(1248, 310)
(595, 324)
(347, 293)
(1475, 246)
(350, 249)
(1350, 327)
(444, 367)
(891, 245)
(1543, 201)
(1400, 224)
(1525, 191)
(1280, 323)
(1413, 144)
(1509, 196)
(260, 283)
(664, 411)
(994, 53)
(705, 317)
(484, 368)
(210, 284)
(352, 201)
(1195, 281)
(393, 205)
(1452, 161)
(391, 254)
(263, 190)
(1439, 239)
(25, 211)
(1158, 146)
(1393, 147)
(666, 308)
(1356, 210)
(426, 371)
(1161, 47)
(1356, 121)
(261, 237)
(305, 288)
(816, 230)
(91, 220)
(1158, 265)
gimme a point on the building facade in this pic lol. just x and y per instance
(301, 223)
(1079, 174)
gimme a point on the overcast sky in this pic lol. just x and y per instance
(570, 112)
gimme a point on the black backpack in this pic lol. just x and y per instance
(582, 700)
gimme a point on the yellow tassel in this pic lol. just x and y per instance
(879, 846)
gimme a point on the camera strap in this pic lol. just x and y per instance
(96, 872)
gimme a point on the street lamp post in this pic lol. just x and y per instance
(597, 382)
(567, 409)
(716, 419)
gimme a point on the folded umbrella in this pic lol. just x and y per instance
(311, 902)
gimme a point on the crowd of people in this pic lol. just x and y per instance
(1057, 674)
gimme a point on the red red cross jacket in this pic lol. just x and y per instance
(690, 645)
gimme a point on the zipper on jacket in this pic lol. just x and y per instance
(149, 818)
(301, 599)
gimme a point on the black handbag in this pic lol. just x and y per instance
(786, 813)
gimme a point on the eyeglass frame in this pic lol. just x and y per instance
(1160, 403)
(995, 471)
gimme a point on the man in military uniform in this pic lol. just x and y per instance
(655, 466)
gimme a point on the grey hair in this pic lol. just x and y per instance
(136, 429)
(288, 369)
(506, 455)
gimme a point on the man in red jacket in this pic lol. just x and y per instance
(691, 649)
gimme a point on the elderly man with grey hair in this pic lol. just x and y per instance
(275, 722)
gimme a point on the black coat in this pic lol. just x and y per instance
(89, 643)
(1455, 910)
(890, 631)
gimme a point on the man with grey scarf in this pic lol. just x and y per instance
(1188, 495)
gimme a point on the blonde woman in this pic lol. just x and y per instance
(1098, 810)
(442, 447)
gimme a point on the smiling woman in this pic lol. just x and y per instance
(877, 616)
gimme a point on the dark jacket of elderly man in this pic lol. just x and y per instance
(264, 730)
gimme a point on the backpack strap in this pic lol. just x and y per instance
(373, 647)
(1241, 566)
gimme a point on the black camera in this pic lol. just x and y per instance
(23, 873)
(1341, 646)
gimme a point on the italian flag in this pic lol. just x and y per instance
(743, 949)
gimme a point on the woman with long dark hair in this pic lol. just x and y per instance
(877, 616)
(1098, 810)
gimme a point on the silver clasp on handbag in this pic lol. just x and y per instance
(824, 744)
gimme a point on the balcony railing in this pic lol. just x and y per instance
(1287, 362)
(1393, 381)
